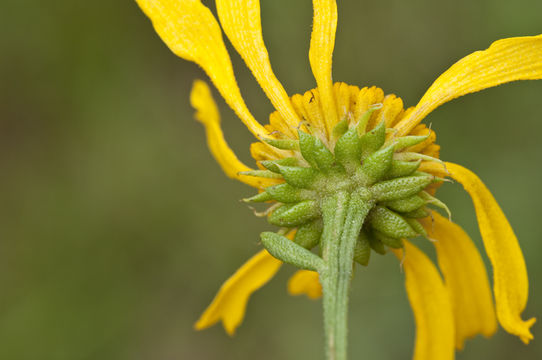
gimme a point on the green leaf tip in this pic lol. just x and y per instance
(348, 150)
(261, 173)
(408, 141)
(395, 243)
(308, 235)
(362, 250)
(273, 165)
(390, 223)
(365, 117)
(340, 128)
(401, 168)
(283, 144)
(261, 197)
(373, 140)
(294, 214)
(406, 204)
(289, 252)
(300, 177)
(285, 193)
(400, 188)
(315, 152)
(377, 164)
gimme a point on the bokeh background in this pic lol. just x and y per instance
(117, 227)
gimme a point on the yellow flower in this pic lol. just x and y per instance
(448, 309)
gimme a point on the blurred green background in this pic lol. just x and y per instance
(117, 227)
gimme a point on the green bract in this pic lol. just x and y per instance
(376, 173)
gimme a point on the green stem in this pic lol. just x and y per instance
(343, 215)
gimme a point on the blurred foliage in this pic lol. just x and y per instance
(117, 227)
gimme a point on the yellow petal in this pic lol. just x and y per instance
(432, 150)
(423, 130)
(207, 113)
(280, 125)
(434, 168)
(465, 277)
(305, 282)
(510, 282)
(230, 302)
(241, 22)
(431, 306)
(342, 98)
(354, 91)
(191, 31)
(392, 106)
(313, 111)
(505, 60)
(307, 106)
(365, 98)
(262, 151)
(320, 54)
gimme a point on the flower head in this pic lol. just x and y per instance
(339, 138)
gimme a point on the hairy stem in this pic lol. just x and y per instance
(343, 215)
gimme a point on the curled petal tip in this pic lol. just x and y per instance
(526, 336)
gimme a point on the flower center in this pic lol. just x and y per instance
(358, 155)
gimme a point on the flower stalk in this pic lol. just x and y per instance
(343, 215)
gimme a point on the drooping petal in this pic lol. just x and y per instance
(191, 31)
(241, 22)
(320, 55)
(230, 302)
(510, 282)
(465, 278)
(506, 60)
(430, 303)
(305, 282)
(207, 113)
